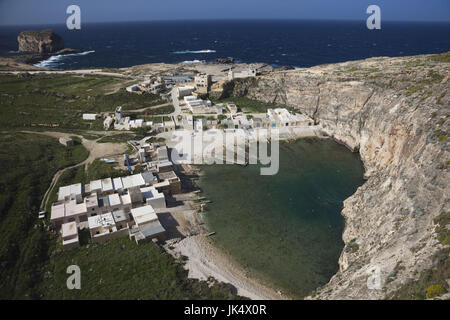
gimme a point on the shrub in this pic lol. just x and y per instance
(434, 291)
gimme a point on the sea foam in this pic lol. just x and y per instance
(54, 61)
(194, 51)
(191, 61)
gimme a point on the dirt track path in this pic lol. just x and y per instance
(152, 107)
(96, 150)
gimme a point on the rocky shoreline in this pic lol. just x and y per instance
(36, 46)
(34, 58)
(394, 111)
(205, 260)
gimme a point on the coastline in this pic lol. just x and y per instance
(205, 259)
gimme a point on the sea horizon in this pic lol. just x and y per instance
(226, 19)
(297, 43)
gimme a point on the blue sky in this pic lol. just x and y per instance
(20, 12)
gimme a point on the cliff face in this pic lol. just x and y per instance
(395, 112)
(43, 42)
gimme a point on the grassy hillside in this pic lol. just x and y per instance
(28, 163)
(33, 264)
(120, 269)
(60, 100)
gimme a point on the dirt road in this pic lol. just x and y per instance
(96, 150)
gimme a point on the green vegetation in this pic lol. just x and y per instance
(254, 106)
(33, 265)
(352, 69)
(50, 101)
(438, 275)
(155, 139)
(120, 269)
(442, 230)
(113, 70)
(432, 282)
(100, 170)
(352, 246)
(434, 291)
(440, 135)
(412, 90)
(434, 77)
(153, 111)
(443, 57)
(28, 163)
(117, 138)
(91, 136)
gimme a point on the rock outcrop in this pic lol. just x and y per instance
(43, 41)
(228, 60)
(395, 112)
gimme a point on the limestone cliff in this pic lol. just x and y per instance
(43, 42)
(395, 112)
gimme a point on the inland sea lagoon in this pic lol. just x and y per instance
(285, 229)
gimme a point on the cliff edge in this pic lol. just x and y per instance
(395, 112)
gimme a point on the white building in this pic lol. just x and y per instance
(70, 235)
(154, 198)
(199, 106)
(107, 122)
(203, 82)
(184, 91)
(281, 117)
(133, 88)
(103, 227)
(241, 74)
(198, 125)
(162, 153)
(147, 224)
(95, 186)
(66, 192)
(90, 116)
(135, 180)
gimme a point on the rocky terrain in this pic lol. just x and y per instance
(12, 64)
(43, 42)
(35, 46)
(216, 69)
(395, 112)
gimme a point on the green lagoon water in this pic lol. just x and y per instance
(286, 229)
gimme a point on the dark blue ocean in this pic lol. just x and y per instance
(296, 43)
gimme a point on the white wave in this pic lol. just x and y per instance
(195, 51)
(54, 61)
(192, 61)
